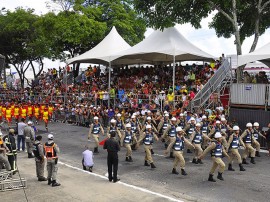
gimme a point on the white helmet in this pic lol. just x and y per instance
(236, 128)
(249, 125)
(50, 136)
(148, 126)
(192, 119)
(256, 124)
(113, 121)
(173, 119)
(223, 119)
(204, 117)
(179, 129)
(95, 118)
(198, 124)
(218, 135)
(167, 115)
(118, 115)
(217, 121)
(128, 125)
(29, 122)
(148, 118)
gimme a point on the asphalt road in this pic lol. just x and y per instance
(252, 185)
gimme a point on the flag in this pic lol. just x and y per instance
(102, 142)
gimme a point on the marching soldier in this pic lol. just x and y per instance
(182, 121)
(128, 139)
(10, 142)
(38, 151)
(171, 133)
(178, 149)
(114, 128)
(153, 128)
(163, 124)
(46, 118)
(189, 129)
(233, 144)
(256, 135)
(147, 138)
(197, 138)
(135, 129)
(95, 130)
(217, 152)
(246, 140)
(204, 130)
(217, 128)
(120, 124)
(29, 135)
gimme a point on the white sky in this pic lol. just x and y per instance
(204, 38)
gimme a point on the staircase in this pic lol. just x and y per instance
(216, 84)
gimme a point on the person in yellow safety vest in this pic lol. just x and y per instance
(30, 112)
(50, 110)
(37, 110)
(46, 118)
(0, 113)
(17, 113)
(8, 116)
(23, 113)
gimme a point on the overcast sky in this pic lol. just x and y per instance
(203, 38)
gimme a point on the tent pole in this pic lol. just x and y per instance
(109, 84)
(173, 80)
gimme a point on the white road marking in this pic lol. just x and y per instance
(159, 155)
(123, 183)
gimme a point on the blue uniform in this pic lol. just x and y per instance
(148, 139)
(96, 129)
(217, 151)
(179, 144)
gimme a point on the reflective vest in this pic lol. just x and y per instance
(165, 126)
(217, 151)
(119, 124)
(191, 129)
(49, 150)
(197, 138)
(182, 124)
(50, 110)
(30, 111)
(224, 128)
(8, 113)
(112, 129)
(235, 142)
(16, 111)
(217, 129)
(23, 112)
(128, 137)
(133, 127)
(256, 134)
(45, 115)
(248, 139)
(36, 111)
(204, 128)
(179, 144)
(172, 132)
(96, 129)
(148, 140)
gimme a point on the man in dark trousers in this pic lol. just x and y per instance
(112, 147)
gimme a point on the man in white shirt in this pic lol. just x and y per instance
(21, 138)
(87, 161)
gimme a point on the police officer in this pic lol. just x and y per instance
(112, 128)
(217, 152)
(256, 135)
(204, 130)
(51, 152)
(163, 124)
(10, 142)
(197, 138)
(112, 147)
(233, 143)
(135, 129)
(29, 135)
(38, 151)
(218, 128)
(120, 124)
(178, 149)
(182, 121)
(3, 158)
(153, 128)
(170, 132)
(128, 138)
(147, 138)
(95, 129)
(246, 140)
(189, 129)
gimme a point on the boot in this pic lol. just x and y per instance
(41, 179)
(55, 184)
(183, 172)
(188, 151)
(146, 163)
(194, 161)
(252, 160)
(211, 179)
(152, 152)
(199, 161)
(244, 161)
(152, 165)
(130, 159)
(230, 167)
(249, 156)
(30, 155)
(171, 155)
(220, 176)
(49, 181)
(174, 171)
(166, 146)
(127, 159)
(96, 150)
(241, 167)
(258, 154)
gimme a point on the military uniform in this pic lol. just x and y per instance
(127, 139)
(246, 139)
(3, 158)
(170, 132)
(38, 150)
(95, 130)
(255, 143)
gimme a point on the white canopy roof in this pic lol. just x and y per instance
(161, 46)
(262, 54)
(104, 51)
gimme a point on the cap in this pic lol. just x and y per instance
(118, 115)
(95, 118)
(178, 129)
(148, 118)
(249, 124)
(198, 124)
(128, 125)
(50, 137)
(173, 119)
(217, 121)
(236, 128)
(218, 135)
(113, 121)
(148, 126)
(256, 124)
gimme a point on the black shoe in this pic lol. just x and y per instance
(220, 176)
(258, 154)
(96, 150)
(110, 180)
(130, 159)
(114, 181)
(195, 161)
(42, 179)
(174, 171)
(230, 167)
(152, 152)
(211, 179)
(252, 160)
(244, 161)
(199, 161)
(30, 156)
(127, 159)
(49, 181)
(188, 151)
(241, 167)
(249, 156)
(55, 184)
(183, 172)
(171, 155)
(146, 163)
(166, 146)
(152, 165)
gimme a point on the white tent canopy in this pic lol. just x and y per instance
(162, 46)
(104, 51)
(262, 54)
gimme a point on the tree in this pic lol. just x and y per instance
(240, 18)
